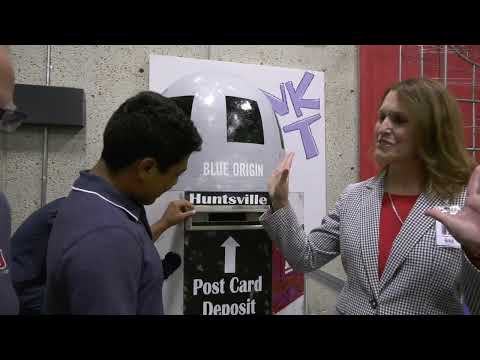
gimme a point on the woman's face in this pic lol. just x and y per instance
(394, 133)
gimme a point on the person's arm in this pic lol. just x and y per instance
(103, 271)
(303, 252)
(176, 212)
(465, 228)
(8, 298)
(465, 225)
(29, 251)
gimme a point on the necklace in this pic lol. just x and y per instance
(394, 209)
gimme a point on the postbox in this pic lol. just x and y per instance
(229, 265)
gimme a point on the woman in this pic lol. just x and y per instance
(387, 243)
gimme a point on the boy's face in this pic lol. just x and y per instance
(155, 182)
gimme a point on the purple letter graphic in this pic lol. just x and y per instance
(306, 134)
(296, 95)
(279, 106)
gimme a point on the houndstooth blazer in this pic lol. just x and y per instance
(419, 278)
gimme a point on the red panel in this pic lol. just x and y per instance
(477, 83)
(459, 77)
(378, 70)
(477, 114)
(432, 60)
(467, 111)
(477, 125)
(410, 63)
(286, 287)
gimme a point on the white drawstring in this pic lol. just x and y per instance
(104, 198)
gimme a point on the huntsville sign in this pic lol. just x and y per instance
(217, 198)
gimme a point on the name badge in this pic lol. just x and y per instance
(444, 238)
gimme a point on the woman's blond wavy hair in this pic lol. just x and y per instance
(439, 134)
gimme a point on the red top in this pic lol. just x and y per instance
(390, 225)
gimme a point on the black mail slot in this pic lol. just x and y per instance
(216, 217)
(236, 218)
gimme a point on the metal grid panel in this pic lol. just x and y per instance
(458, 68)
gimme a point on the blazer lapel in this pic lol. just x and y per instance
(372, 201)
(413, 229)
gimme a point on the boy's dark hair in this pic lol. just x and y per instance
(149, 125)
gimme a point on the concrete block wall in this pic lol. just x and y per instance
(111, 73)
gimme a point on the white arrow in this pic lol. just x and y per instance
(230, 246)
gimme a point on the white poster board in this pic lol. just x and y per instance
(298, 99)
